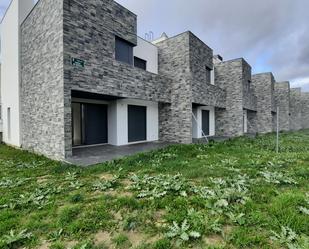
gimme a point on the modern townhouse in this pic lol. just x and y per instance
(295, 109)
(263, 85)
(194, 98)
(76, 74)
(305, 110)
(91, 81)
(282, 96)
(82, 77)
(239, 116)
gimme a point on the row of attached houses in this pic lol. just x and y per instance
(76, 74)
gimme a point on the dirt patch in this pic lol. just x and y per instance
(102, 237)
(125, 194)
(117, 215)
(71, 244)
(118, 193)
(126, 182)
(154, 239)
(106, 176)
(159, 220)
(135, 238)
(43, 179)
(44, 245)
(214, 240)
(227, 229)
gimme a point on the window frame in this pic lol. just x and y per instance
(121, 54)
(140, 60)
(209, 77)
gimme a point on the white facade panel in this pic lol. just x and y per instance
(118, 121)
(197, 124)
(245, 121)
(148, 52)
(10, 68)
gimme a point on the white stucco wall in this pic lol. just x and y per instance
(212, 77)
(118, 121)
(117, 118)
(245, 121)
(0, 106)
(10, 72)
(148, 52)
(197, 126)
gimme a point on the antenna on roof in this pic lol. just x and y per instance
(149, 36)
(146, 36)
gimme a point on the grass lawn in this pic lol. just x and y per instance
(234, 194)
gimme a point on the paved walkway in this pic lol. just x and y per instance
(98, 154)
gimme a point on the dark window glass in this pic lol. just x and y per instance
(140, 63)
(124, 51)
(208, 75)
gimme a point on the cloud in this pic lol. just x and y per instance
(271, 35)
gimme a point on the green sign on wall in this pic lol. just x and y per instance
(78, 62)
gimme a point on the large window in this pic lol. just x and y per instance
(208, 75)
(140, 63)
(123, 51)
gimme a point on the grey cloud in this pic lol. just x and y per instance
(275, 32)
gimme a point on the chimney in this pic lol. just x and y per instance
(217, 58)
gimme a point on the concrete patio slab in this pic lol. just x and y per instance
(85, 156)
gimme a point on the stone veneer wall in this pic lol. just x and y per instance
(234, 77)
(174, 62)
(252, 122)
(282, 95)
(184, 58)
(263, 86)
(89, 34)
(42, 103)
(305, 110)
(295, 109)
(201, 57)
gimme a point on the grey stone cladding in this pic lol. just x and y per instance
(174, 63)
(263, 86)
(305, 110)
(201, 57)
(282, 95)
(42, 86)
(234, 77)
(89, 34)
(184, 59)
(295, 109)
(54, 33)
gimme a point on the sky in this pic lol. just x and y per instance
(272, 35)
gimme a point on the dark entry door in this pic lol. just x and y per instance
(95, 124)
(205, 122)
(136, 123)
